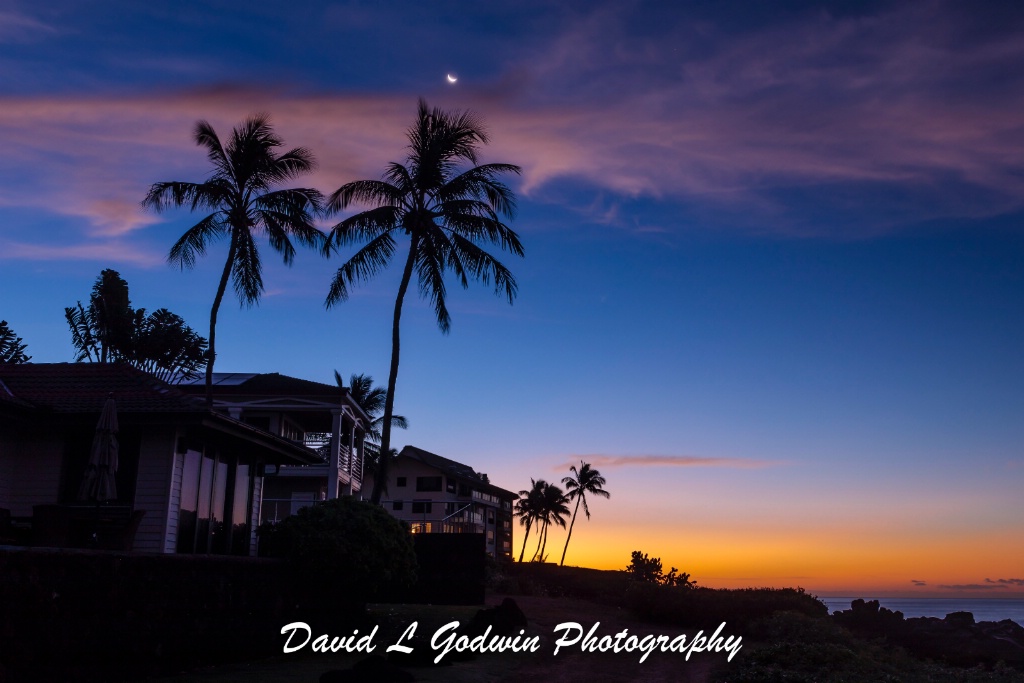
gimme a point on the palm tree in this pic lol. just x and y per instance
(583, 481)
(528, 507)
(447, 214)
(12, 348)
(553, 508)
(110, 330)
(371, 400)
(241, 192)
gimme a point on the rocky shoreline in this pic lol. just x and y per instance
(957, 639)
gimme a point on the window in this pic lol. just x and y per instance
(215, 505)
(400, 481)
(421, 507)
(396, 505)
(428, 483)
(451, 485)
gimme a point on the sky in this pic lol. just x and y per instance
(774, 276)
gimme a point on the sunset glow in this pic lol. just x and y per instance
(774, 276)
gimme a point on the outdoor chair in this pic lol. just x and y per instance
(122, 537)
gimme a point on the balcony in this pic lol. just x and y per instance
(350, 467)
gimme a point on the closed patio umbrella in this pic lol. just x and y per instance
(99, 484)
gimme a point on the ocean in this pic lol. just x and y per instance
(995, 609)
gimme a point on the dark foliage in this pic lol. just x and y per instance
(799, 648)
(649, 570)
(110, 330)
(113, 617)
(343, 548)
(12, 349)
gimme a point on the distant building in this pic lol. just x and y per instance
(436, 495)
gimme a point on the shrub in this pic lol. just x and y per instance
(649, 570)
(342, 549)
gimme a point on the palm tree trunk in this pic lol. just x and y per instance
(540, 538)
(380, 480)
(562, 563)
(210, 352)
(525, 537)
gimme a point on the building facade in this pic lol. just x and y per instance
(194, 476)
(436, 495)
(322, 417)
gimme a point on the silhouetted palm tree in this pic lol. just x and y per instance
(241, 192)
(371, 400)
(553, 508)
(447, 214)
(583, 481)
(528, 507)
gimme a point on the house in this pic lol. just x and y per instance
(198, 476)
(436, 495)
(323, 417)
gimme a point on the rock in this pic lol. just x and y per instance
(505, 620)
(960, 619)
(957, 639)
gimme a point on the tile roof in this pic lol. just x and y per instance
(80, 388)
(453, 468)
(84, 387)
(263, 384)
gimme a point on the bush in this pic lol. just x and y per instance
(344, 550)
(704, 606)
(649, 570)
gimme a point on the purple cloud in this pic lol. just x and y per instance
(610, 461)
(730, 123)
(110, 252)
(1006, 582)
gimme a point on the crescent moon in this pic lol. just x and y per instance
(452, 79)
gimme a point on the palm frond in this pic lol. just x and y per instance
(480, 182)
(399, 421)
(293, 163)
(246, 269)
(372, 192)
(193, 242)
(484, 266)
(367, 225)
(481, 228)
(206, 136)
(162, 196)
(430, 267)
(362, 266)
